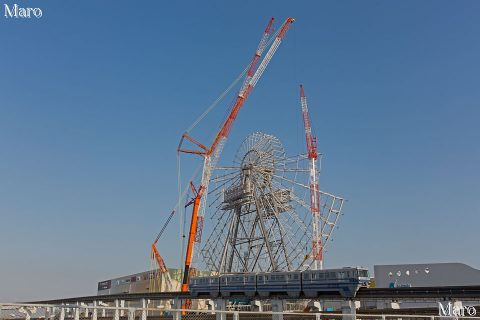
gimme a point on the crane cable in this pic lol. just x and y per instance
(220, 98)
(228, 89)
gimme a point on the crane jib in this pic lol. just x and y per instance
(211, 156)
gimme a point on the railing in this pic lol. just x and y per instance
(15, 311)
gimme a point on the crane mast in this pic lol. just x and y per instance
(317, 245)
(212, 154)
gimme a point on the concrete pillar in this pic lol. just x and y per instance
(177, 305)
(314, 306)
(46, 313)
(257, 305)
(28, 314)
(94, 311)
(103, 311)
(236, 315)
(277, 309)
(210, 304)
(122, 305)
(458, 305)
(116, 314)
(62, 314)
(144, 307)
(220, 309)
(131, 313)
(349, 310)
(86, 312)
(77, 312)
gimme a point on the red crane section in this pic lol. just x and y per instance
(311, 140)
(317, 245)
(243, 95)
(212, 153)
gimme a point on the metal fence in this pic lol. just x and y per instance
(14, 311)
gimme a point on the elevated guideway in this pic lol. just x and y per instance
(445, 293)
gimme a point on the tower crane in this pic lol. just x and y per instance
(212, 153)
(317, 245)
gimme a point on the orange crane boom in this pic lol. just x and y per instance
(212, 153)
(155, 255)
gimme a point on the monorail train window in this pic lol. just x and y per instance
(260, 278)
(341, 275)
(363, 273)
(321, 276)
(295, 276)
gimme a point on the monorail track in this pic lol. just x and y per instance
(445, 293)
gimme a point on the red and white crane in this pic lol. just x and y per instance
(317, 245)
(212, 153)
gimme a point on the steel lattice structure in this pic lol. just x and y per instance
(260, 211)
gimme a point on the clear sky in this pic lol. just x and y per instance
(95, 95)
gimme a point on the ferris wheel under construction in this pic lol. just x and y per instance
(265, 212)
(261, 215)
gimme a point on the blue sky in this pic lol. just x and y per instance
(95, 95)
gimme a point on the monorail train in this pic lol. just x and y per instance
(346, 281)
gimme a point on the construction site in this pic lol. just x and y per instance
(266, 212)
(254, 223)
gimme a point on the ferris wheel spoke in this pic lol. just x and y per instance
(227, 168)
(224, 177)
(292, 170)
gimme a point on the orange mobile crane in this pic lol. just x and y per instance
(155, 256)
(212, 153)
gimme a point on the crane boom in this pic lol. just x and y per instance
(317, 245)
(213, 153)
(155, 255)
(258, 54)
(162, 266)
